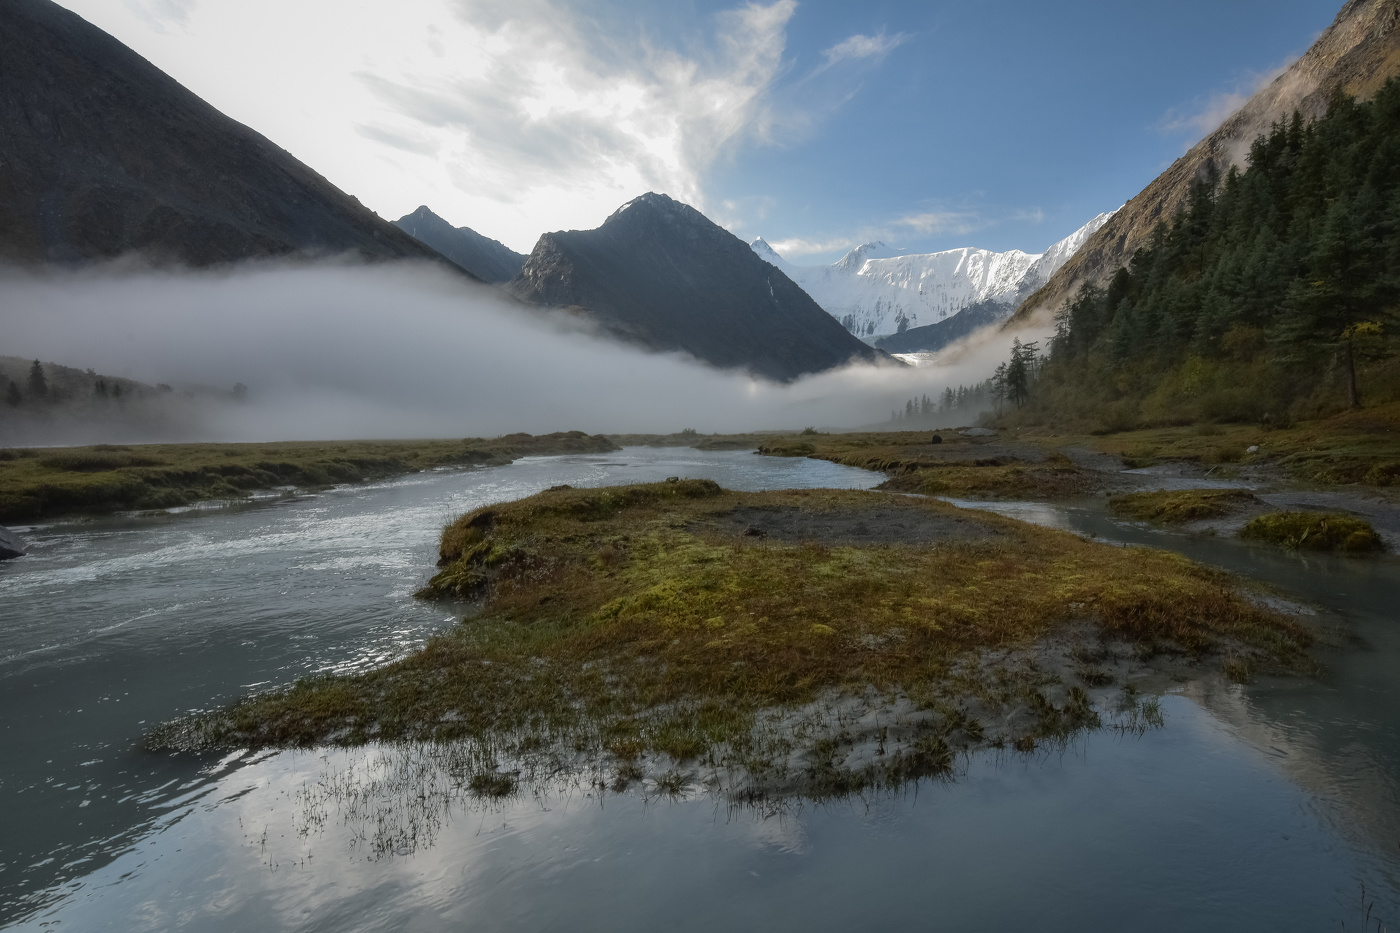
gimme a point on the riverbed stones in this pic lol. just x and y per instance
(11, 545)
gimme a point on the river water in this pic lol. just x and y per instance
(1268, 807)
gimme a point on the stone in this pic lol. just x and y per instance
(11, 545)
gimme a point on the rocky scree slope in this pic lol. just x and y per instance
(660, 274)
(1356, 54)
(103, 154)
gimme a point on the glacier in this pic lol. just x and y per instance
(876, 291)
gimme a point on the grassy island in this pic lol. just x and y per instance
(1182, 505)
(812, 640)
(43, 483)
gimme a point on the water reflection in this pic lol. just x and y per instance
(1259, 808)
(1185, 828)
(114, 625)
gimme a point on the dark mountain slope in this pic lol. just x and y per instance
(102, 154)
(1356, 54)
(659, 273)
(485, 258)
(933, 337)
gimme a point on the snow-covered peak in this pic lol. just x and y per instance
(876, 290)
(1059, 254)
(767, 253)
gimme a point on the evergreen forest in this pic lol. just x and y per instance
(1271, 297)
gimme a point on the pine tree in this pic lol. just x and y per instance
(12, 395)
(38, 384)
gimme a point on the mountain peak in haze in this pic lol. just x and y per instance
(103, 154)
(485, 258)
(660, 273)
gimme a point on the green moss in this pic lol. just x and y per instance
(1315, 531)
(688, 633)
(1182, 505)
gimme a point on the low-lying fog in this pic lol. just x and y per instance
(410, 350)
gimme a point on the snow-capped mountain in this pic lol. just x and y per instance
(875, 291)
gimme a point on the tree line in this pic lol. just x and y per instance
(1272, 294)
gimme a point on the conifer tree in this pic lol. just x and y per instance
(38, 384)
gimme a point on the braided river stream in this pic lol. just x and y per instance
(1269, 806)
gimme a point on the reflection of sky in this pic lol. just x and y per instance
(125, 620)
(1037, 513)
(1185, 828)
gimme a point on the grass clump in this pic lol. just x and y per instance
(1182, 505)
(690, 632)
(1315, 531)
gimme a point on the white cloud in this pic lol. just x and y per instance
(1204, 116)
(513, 118)
(929, 223)
(893, 231)
(859, 47)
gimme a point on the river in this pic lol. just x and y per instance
(1271, 806)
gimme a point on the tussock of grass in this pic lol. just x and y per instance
(634, 621)
(1315, 531)
(36, 485)
(1182, 505)
(1018, 481)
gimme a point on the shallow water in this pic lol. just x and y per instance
(1267, 807)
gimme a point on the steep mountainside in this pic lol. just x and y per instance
(485, 258)
(659, 273)
(1356, 54)
(102, 154)
(912, 303)
(1272, 297)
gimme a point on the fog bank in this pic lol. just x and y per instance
(410, 350)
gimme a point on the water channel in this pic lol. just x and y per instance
(1271, 806)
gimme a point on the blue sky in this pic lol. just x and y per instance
(818, 125)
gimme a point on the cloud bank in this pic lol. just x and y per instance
(336, 352)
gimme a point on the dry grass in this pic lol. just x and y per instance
(41, 484)
(631, 621)
(1182, 505)
(1361, 447)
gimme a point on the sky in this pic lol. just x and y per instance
(817, 125)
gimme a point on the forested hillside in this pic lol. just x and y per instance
(1271, 296)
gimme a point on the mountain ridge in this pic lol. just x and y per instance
(878, 293)
(102, 154)
(487, 259)
(659, 273)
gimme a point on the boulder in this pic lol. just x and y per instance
(937, 439)
(11, 545)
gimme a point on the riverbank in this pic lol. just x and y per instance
(44, 483)
(805, 642)
(1345, 465)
